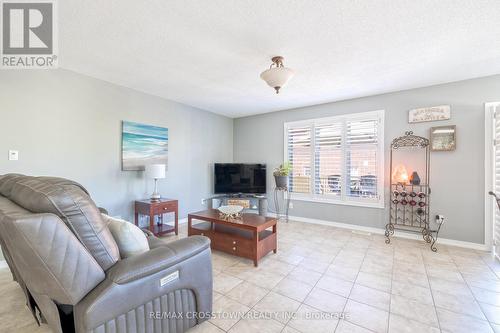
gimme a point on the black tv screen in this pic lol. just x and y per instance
(239, 178)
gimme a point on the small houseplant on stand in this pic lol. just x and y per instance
(281, 178)
(281, 175)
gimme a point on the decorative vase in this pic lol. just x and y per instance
(281, 181)
(414, 178)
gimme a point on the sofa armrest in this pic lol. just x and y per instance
(155, 242)
(157, 259)
(136, 287)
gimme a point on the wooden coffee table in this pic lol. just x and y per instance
(246, 237)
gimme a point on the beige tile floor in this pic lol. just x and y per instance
(321, 272)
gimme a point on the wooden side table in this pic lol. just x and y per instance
(158, 208)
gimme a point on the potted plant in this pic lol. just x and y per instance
(281, 175)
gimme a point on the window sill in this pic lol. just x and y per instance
(366, 204)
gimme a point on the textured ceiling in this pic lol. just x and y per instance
(209, 54)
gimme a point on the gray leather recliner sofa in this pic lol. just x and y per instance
(66, 261)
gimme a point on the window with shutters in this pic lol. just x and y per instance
(337, 159)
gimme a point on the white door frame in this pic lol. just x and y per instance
(489, 202)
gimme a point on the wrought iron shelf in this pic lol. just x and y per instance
(409, 210)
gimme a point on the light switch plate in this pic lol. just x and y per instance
(13, 155)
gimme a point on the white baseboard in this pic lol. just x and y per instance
(380, 231)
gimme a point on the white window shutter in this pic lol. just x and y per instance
(328, 158)
(299, 157)
(361, 158)
(337, 159)
(496, 142)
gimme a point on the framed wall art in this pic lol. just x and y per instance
(143, 145)
(443, 138)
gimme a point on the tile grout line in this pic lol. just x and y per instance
(430, 289)
(249, 308)
(359, 270)
(453, 311)
(314, 286)
(473, 295)
(269, 290)
(284, 327)
(390, 291)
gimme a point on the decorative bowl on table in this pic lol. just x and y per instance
(230, 211)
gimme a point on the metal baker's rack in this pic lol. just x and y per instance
(410, 203)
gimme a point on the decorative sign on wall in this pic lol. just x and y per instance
(432, 113)
(143, 145)
(443, 138)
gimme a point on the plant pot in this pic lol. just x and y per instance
(281, 181)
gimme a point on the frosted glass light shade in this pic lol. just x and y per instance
(155, 171)
(277, 77)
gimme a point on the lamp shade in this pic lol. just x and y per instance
(277, 77)
(155, 171)
(400, 175)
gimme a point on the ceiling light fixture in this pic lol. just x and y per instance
(277, 75)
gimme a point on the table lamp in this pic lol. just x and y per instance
(155, 171)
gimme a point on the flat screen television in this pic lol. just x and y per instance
(239, 178)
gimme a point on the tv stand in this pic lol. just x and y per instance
(242, 195)
(257, 202)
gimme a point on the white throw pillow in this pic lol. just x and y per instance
(130, 239)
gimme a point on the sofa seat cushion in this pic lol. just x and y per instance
(71, 202)
(130, 239)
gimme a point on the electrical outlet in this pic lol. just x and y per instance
(202, 201)
(439, 219)
(291, 205)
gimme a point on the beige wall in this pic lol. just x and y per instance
(68, 125)
(65, 124)
(457, 178)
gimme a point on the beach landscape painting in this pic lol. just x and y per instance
(143, 145)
